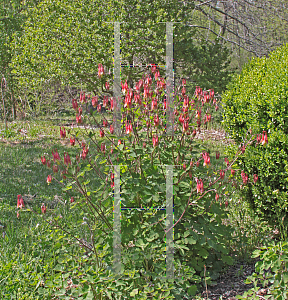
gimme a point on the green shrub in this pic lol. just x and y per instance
(272, 269)
(257, 99)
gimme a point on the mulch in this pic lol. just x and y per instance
(232, 283)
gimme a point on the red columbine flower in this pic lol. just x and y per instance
(153, 68)
(183, 82)
(128, 128)
(103, 148)
(84, 152)
(55, 155)
(184, 166)
(74, 104)
(185, 126)
(217, 154)
(111, 129)
(99, 108)
(216, 197)
(157, 75)
(72, 199)
(255, 178)
(43, 208)
(137, 99)
(258, 138)
(199, 186)
(243, 149)
(233, 172)
(43, 160)
(20, 202)
(105, 101)
(207, 118)
(80, 111)
(100, 70)
(226, 204)
(78, 119)
(244, 177)
(156, 120)
(264, 139)
(111, 104)
(124, 87)
(183, 91)
(206, 158)
(155, 141)
(144, 145)
(62, 133)
(222, 174)
(94, 101)
(198, 114)
(107, 86)
(72, 141)
(211, 93)
(154, 104)
(227, 161)
(186, 104)
(119, 142)
(127, 101)
(105, 123)
(194, 133)
(49, 179)
(101, 133)
(82, 97)
(67, 160)
(216, 107)
(55, 168)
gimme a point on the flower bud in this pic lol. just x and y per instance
(72, 200)
(232, 172)
(43, 208)
(55, 168)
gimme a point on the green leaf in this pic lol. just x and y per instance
(134, 293)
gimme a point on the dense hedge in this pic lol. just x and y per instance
(258, 99)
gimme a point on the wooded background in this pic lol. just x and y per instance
(49, 50)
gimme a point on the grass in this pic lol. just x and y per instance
(31, 248)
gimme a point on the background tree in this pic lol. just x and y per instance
(65, 41)
(252, 28)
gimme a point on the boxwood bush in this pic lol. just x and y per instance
(258, 99)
